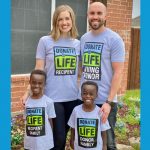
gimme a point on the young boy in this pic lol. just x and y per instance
(87, 130)
(39, 109)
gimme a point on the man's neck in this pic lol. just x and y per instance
(99, 31)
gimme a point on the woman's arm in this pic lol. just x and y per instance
(40, 64)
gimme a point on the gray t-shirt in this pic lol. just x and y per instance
(61, 66)
(38, 132)
(98, 52)
(88, 127)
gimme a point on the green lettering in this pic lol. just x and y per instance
(87, 131)
(34, 120)
(65, 62)
(91, 59)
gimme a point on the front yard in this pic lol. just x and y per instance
(127, 126)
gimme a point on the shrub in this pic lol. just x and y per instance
(128, 117)
(17, 131)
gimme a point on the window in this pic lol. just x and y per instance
(30, 20)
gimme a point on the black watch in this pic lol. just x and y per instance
(110, 103)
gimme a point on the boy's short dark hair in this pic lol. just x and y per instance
(40, 72)
(89, 83)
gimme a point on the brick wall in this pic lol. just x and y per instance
(18, 86)
(118, 19)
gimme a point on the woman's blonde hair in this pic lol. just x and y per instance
(55, 32)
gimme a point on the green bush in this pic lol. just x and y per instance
(128, 117)
(128, 121)
(17, 131)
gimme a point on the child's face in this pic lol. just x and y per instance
(89, 94)
(37, 82)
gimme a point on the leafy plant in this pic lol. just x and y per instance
(128, 122)
(16, 138)
(128, 117)
(17, 130)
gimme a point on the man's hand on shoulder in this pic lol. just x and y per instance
(105, 109)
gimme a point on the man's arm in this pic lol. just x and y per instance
(115, 84)
(116, 79)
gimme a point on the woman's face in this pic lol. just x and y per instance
(64, 22)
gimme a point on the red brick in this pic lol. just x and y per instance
(15, 99)
(18, 88)
(17, 94)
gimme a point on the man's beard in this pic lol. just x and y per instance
(97, 26)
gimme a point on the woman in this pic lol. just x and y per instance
(57, 54)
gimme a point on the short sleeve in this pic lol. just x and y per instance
(105, 126)
(51, 110)
(41, 49)
(117, 50)
(71, 121)
(78, 47)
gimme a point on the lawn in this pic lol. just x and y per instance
(127, 126)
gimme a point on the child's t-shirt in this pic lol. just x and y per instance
(88, 127)
(38, 131)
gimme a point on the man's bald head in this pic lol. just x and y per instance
(97, 16)
(98, 5)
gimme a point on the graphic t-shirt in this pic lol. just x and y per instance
(92, 60)
(88, 127)
(38, 132)
(97, 53)
(61, 66)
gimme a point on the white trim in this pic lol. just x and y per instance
(53, 2)
(20, 75)
(87, 23)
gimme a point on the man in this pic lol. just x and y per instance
(103, 54)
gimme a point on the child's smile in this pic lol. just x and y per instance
(89, 93)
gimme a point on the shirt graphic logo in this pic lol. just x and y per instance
(92, 60)
(87, 132)
(35, 121)
(65, 60)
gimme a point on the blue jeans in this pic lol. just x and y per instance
(60, 127)
(112, 118)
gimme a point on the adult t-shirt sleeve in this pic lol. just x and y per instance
(41, 49)
(117, 50)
